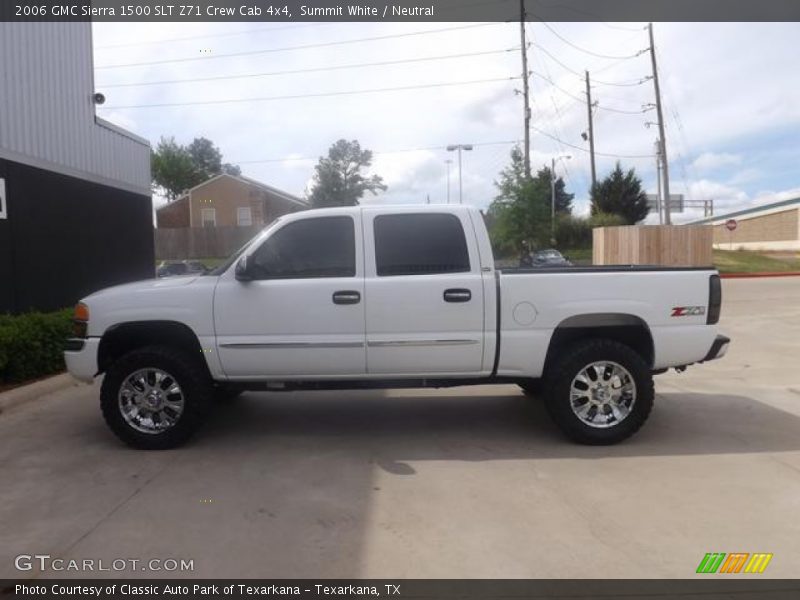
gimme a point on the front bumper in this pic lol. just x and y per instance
(80, 356)
(718, 348)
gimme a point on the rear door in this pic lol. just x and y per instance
(424, 293)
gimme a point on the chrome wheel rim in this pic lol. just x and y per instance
(151, 400)
(603, 394)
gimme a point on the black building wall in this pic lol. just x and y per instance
(66, 237)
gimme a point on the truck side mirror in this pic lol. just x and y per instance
(241, 271)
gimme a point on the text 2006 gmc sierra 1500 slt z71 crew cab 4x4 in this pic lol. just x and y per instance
(391, 297)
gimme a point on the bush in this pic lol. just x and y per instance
(606, 220)
(573, 232)
(32, 344)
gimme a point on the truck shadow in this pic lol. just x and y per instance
(448, 425)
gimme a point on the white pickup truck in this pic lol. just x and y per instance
(387, 297)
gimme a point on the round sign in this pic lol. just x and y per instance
(730, 224)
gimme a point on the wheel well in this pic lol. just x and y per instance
(623, 328)
(120, 339)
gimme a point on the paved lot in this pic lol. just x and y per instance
(471, 482)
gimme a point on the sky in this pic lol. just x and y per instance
(731, 97)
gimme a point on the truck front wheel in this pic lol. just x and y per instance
(599, 391)
(155, 398)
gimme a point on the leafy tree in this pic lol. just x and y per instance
(338, 180)
(207, 159)
(620, 193)
(521, 212)
(176, 168)
(563, 199)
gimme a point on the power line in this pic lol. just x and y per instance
(606, 154)
(208, 36)
(311, 70)
(579, 99)
(312, 95)
(594, 81)
(300, 47)
(399, 151)
(589, 52)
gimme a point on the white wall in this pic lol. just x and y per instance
(47, 115)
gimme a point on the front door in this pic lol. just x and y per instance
(302, 314)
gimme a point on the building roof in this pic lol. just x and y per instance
(748, 211)
(263, 186)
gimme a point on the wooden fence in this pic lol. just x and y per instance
(201, 242)
(669, 245)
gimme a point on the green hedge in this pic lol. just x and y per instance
(31, 344)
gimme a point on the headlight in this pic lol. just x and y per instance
(80, 320)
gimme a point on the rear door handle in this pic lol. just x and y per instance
(457, 295)
(346, 297)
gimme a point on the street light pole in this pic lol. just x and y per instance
(553, 194)
(459, 147)
(448, 162)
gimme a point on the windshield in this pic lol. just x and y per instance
(235, 256)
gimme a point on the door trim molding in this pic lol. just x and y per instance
(391, 343)
(259, 345)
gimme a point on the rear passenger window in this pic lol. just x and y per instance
(420, 244)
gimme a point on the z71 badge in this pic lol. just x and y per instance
(688, 311)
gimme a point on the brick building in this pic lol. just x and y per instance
(770, 227)
(228, 201)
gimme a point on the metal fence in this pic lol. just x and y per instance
(201, 242)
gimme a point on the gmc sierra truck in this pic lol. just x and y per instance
(383, 297)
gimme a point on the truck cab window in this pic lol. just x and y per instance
(311, 248)
(420, 244)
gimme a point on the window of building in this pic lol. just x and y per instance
(311, 248)
(420, 244)
(244, 216)
(209, 217)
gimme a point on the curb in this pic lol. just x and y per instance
(760, 274)
(35, 390)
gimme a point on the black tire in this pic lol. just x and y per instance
(532, 387)
(190, 375)
(569, 364)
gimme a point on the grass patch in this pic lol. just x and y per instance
(744, 261)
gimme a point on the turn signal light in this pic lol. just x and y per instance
(79, 320)
(81, 312)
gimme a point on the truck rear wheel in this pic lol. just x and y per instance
(599, 391)
(155, 398)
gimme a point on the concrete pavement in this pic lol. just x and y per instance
(464, 482)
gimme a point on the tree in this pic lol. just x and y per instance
(521, 213)
(172, 168)
(563, 199)
(207, 159)
(620, 194)
(338, 180)
(176, 168)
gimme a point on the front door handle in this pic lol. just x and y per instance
(457, 295)
(346, 297)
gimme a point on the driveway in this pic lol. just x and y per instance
(462, 482)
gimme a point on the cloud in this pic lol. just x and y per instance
(711, 161)
(721, 103)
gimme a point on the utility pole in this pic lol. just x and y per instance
(525, 89)
(591, 129)
(663, 139)
(659, 197)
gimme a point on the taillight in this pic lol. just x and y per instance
(714, 300)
